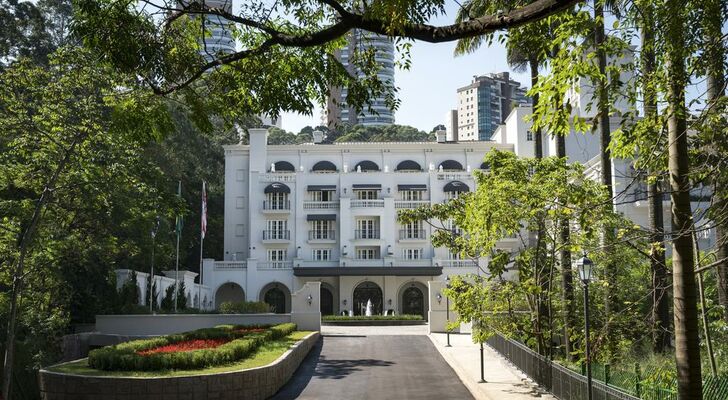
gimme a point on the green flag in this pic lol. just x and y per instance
(178, 227)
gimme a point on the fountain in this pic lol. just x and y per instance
(368, 311)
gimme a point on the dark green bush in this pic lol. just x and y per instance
(244, 307)
(403, 317)
(124, 356)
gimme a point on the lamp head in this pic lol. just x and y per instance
(439, 298)
(586, 268)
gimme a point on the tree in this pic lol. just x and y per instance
(52, 120)
(547, 191)
(181, 296)
(168, 299)
(687, 338)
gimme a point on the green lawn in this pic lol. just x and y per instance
(264, 355)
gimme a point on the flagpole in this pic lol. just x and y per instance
(203, 228)
(176, 263)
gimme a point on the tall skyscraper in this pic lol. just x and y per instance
(485, 103)
(337, 111)
(220, 40)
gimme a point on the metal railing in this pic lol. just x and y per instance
(410, 203)
(559, 380)
(284, 205)
(228, 265)
(277, 177)
(319, 205)
(321, 235)
(275, 265)
(367, 203)
(457, 263)
(366, 234)
(416, 234)
(276, 235)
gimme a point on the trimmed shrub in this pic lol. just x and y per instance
(403, 317)
(244, 307)
(126, 357)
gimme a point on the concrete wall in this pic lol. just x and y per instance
(175, 323)
(193, 290)
(438, 314)
(306, 307)
(252, 384)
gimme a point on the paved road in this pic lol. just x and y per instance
(362, 366)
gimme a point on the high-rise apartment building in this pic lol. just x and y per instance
(485, 103)
(220, 40)
(337, 111)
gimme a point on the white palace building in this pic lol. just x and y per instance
(328, 213)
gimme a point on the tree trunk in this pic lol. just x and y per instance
(687, 337)
(567, 281)
(605, 154)
(660, 317)
(537, 137)
(715, 56)
(721, 240)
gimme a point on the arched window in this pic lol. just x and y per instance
(451, 165)
(324, 166)
(485, 166)
(284, 166)
(408, 166)
(366, 166)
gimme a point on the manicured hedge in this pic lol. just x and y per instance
(244, 307)
(124, 357)
(403, 317)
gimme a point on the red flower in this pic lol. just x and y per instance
(187, 345)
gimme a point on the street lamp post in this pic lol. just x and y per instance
(447, 311)
(585, 266)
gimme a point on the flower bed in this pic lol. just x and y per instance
(190, 350)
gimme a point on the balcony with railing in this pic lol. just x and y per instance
(377, 203)
(273, 207)
(412, 234)
(454, 176)
(457, 263)
(320, 205)
(410, 203)
(230, 265)
(276, 236)
(366, 234)
(275, 265)
(277, 177)
(322, 236)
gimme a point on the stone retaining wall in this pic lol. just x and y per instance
(257, 383)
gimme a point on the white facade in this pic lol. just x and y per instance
(329, 215)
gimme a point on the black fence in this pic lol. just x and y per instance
(560, 381)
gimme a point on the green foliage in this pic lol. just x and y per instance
(515, 197)
(129, 291)
(168, 299)
(244, 307)
(402, 317)
(386, 133)
(125, 357)
(181, 296)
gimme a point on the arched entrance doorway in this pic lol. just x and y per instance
(364, 292)
(327, 301)
(277, 296)
(228, 292)
(413, 301)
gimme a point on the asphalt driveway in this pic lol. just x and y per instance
(381, 367)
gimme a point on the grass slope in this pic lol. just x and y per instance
(264, 355)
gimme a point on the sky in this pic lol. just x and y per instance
(429, 89)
